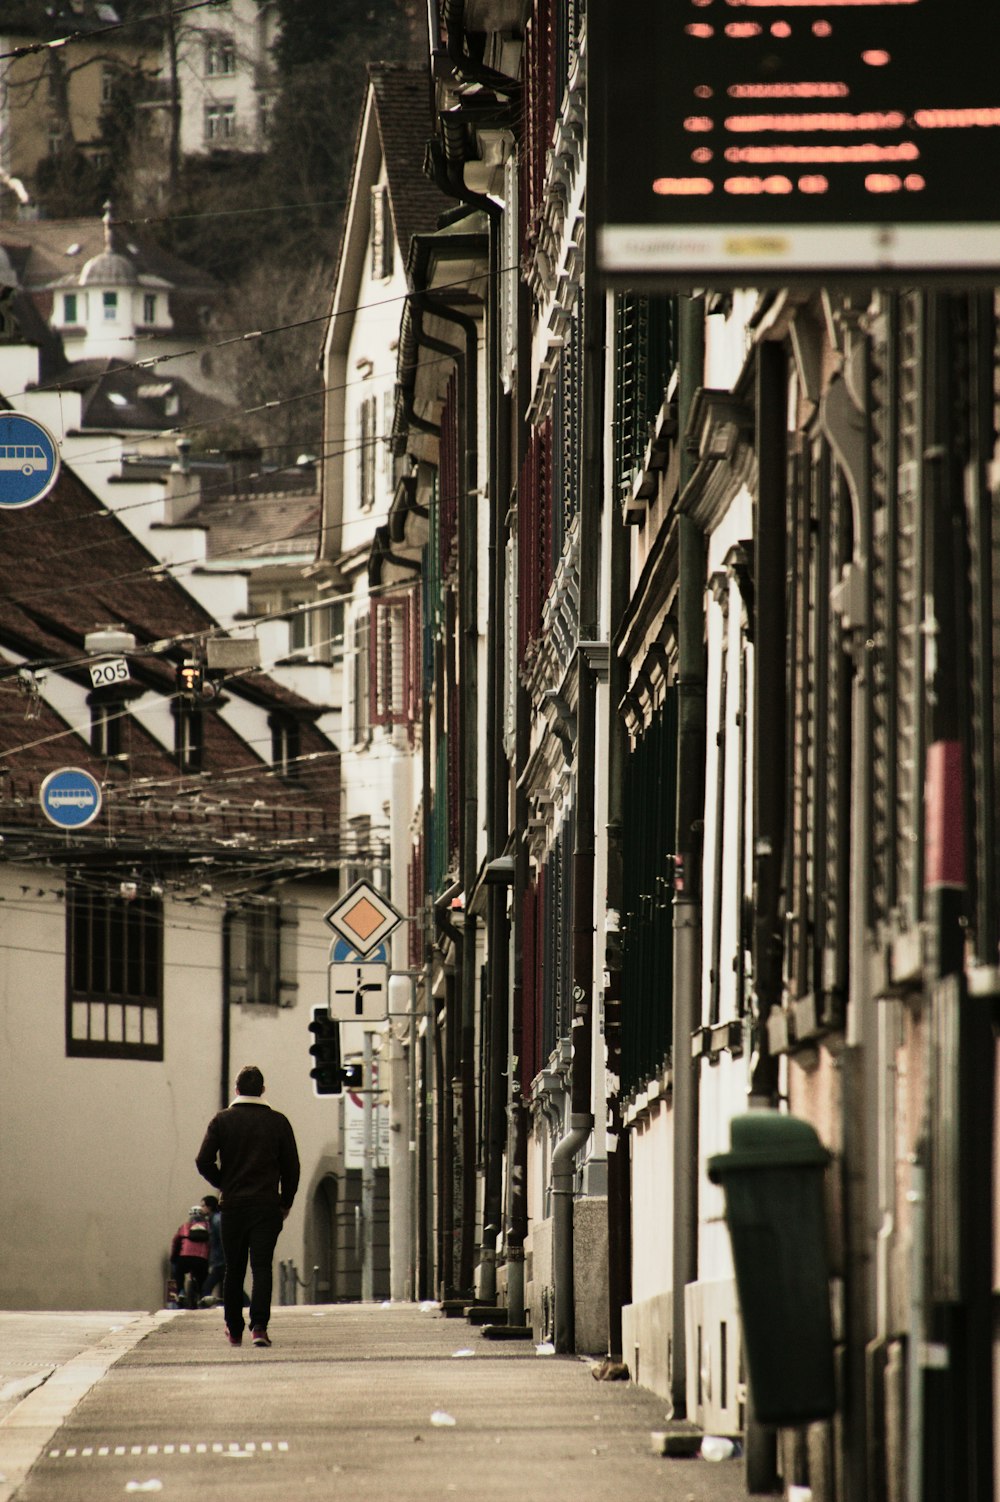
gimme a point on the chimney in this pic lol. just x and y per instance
(183, 492)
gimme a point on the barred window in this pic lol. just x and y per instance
(114, 970)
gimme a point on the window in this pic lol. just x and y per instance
(108, 76)
(106, 717)
(260, 954)
(114, 971)
(312, 630)
(366, 452)
(220, 122)
(381, 234)
(189, 736)
(69, 307)
(285, 745)
(361, 700)
(149, 307)
(335, 634)
(220, 56)
(395, 659)
(388, 414)
(110, 305)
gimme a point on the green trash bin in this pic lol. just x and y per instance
(773, 1183)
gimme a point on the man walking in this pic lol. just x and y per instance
(249, 1153)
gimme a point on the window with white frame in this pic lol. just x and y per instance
(109, 303)
(286, 745)
(388, 413)
(220, 121)
(220, 55)
(106, 719)
(362, 707)
(149, 307)
(367, 440)
(189, 735)
(70, 307)
(114, 975)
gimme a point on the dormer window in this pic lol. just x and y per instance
(285, 745)
(69, 307)
(110, 304)
(106, 718)
(189, 736)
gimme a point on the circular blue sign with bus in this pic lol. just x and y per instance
(29, 461)
(70, 798)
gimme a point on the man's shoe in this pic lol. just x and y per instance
(234, 1340)
(260, 1337)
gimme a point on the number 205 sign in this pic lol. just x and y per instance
(104, 674)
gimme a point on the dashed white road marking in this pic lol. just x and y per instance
(245, 1448)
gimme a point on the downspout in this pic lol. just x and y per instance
(446, 1068)
(517, 1202)
(469, 670)
(619, 1147)
(497, 794)
(687, 887)
(581, 1092)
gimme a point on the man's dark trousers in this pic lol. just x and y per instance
(249, 1231)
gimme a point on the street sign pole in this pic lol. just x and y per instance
(368, 1178)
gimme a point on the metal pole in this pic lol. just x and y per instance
(368, 1177)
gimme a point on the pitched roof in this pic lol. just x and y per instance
(67, 566)
(44, 252)
(403, 107)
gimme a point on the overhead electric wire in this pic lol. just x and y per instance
(31, 49)
(252, 334)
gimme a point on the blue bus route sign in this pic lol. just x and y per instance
(29, 461)
(70, 798)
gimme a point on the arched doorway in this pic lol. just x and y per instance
(334, 1236)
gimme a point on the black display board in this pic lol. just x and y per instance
(756, 140)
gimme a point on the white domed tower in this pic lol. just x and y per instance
(102, 313)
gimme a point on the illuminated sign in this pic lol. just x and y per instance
(755, 139)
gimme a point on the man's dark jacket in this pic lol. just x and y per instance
(249, 1153)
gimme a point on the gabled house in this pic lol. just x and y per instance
(150, 951)
(371, 554)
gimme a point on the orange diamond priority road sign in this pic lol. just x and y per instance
(363, 917)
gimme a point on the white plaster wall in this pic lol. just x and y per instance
(652, 1192)
(97, 1155)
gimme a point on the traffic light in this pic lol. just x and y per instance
(327, 1076)
(353, 1075)
(190, 678)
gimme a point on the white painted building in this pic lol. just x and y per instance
(226, 75)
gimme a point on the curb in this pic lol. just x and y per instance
(26, 1431)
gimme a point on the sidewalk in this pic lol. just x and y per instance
(381, 1401)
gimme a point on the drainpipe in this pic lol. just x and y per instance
(497, 796)
(619, 1177)
(518, 1117)
(468, 774)
(687, 888)
(581, 1091)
